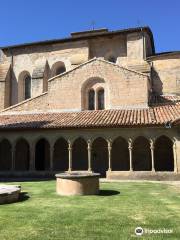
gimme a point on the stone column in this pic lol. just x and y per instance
(109, 154)
(130, 154)
(175, 156)
(152, 154)
(95, 100)
(32, 157)
(89, 155)
(70, 156)
(13, 151)
(51, 156)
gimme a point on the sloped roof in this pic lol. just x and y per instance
(88, 36)
(149, 117)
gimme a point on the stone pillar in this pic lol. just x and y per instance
(152, 154)
(178, 155)
(13, 151)
(32, 157)
(175, 156)
(51, 156)
(130, 154)
(70, 156)
(89, 155)
(109, 154)
(95, 100)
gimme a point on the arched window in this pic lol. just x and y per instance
(100, 99)
(27, 87)
(57, 68)
(93, 94)
(91, 100)
(60, 70)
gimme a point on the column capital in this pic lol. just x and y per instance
(130, 144)
(109, 144)
(174, 143)
(89, 144)
(13, 147)
(151, 141)
(69, 144)
(52, 147)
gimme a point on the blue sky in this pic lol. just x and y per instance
(33, 20)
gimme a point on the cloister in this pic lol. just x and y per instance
(98, 154)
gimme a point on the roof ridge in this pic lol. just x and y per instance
(123, 67)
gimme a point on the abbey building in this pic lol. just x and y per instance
(100, 100)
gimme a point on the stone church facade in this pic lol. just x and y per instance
(97, 101)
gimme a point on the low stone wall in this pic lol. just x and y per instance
(143, 175)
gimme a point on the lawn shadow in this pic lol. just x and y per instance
(23, 197)
(108, 192)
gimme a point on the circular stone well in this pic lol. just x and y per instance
(77, 183)
(9, 193)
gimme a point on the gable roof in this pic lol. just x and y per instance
(88, 36)
(100, 60)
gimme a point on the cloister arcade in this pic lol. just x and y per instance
(98, 154)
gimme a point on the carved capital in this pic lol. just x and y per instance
(130, 144)
(151, 141)
(109, 144)
(89, 144)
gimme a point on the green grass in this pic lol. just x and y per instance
(112, 215)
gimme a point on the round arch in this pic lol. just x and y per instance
(120, 155)
(22, 155)
(60, 156)
(94, 83)
(79, 155)
(141, 154)
(24, 86)
(5, 155)
(99, 161)
(163, 154)
(42, 155)
(57, 68)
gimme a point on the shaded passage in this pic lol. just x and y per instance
(163, 154)
(60, 157)
(42, 155)
(22, 155)
(5, 155)
(80, 155)
(100, 156)
(120, 155)
(141, 157)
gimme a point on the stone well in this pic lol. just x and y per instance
(68, 184)
(9, 193)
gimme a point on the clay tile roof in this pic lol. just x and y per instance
(152, 116)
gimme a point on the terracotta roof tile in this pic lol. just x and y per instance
(152, 116)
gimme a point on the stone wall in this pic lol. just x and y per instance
(68, 91)
(166, 74)
(30, 58)
(127, 49)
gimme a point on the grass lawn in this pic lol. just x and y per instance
(119, 209)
